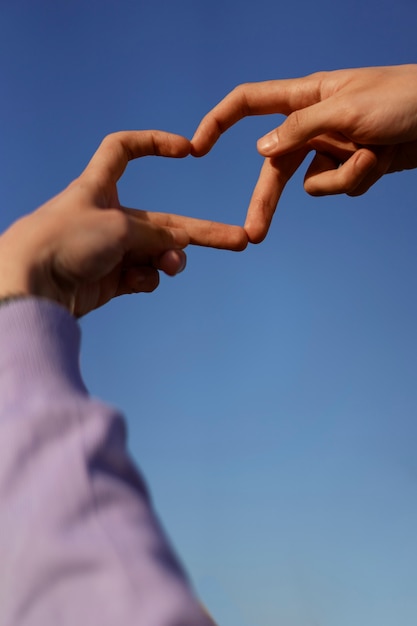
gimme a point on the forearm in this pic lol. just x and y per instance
(79, 541)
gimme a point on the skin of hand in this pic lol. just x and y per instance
(83, 248)
(362, 124)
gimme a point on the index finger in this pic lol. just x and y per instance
(274, 176)
(201, 232)
(263, 98)
(117, 149)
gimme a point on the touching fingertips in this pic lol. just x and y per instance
(204, 137)
(199, 147)
(256, 232)
(258, 219)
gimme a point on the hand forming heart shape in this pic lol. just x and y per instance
(110, 161)
(83, 248)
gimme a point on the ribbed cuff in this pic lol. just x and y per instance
(39, 346)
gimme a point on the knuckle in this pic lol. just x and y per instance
(293, 123)
(240, 89)
(109, 139)
(113, 140)
(240, 95)
(319, 76)
(318, 79)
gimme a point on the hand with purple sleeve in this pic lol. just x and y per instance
(80, 542)
(83, 248)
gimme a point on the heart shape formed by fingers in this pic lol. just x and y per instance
(118, 149)
(110, 161)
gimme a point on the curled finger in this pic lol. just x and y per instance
(117, 149)
(327, 176)
(383, 159)
(138, 279)
(172, 262)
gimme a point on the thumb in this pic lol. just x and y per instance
(299, 127)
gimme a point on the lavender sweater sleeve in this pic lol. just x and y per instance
(79, 541)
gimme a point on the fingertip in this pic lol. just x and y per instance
(198, 151)
(199, 146)
(182, 147)
(172, 262)
(256, 233)
(240, 241)
(205, 137)
(268, 145)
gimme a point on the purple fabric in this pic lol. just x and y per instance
(79, 541)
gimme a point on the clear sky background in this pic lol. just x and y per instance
(271, 395)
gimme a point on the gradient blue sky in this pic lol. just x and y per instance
(270, 395)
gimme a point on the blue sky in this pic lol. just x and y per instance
(270, 395)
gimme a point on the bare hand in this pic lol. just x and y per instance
(83, 248)
(362, 123)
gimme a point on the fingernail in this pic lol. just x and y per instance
(268, 144)
(183, 263)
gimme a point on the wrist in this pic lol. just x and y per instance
(30, 285)
(20, 279)
(14, 285)
(24, 265)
